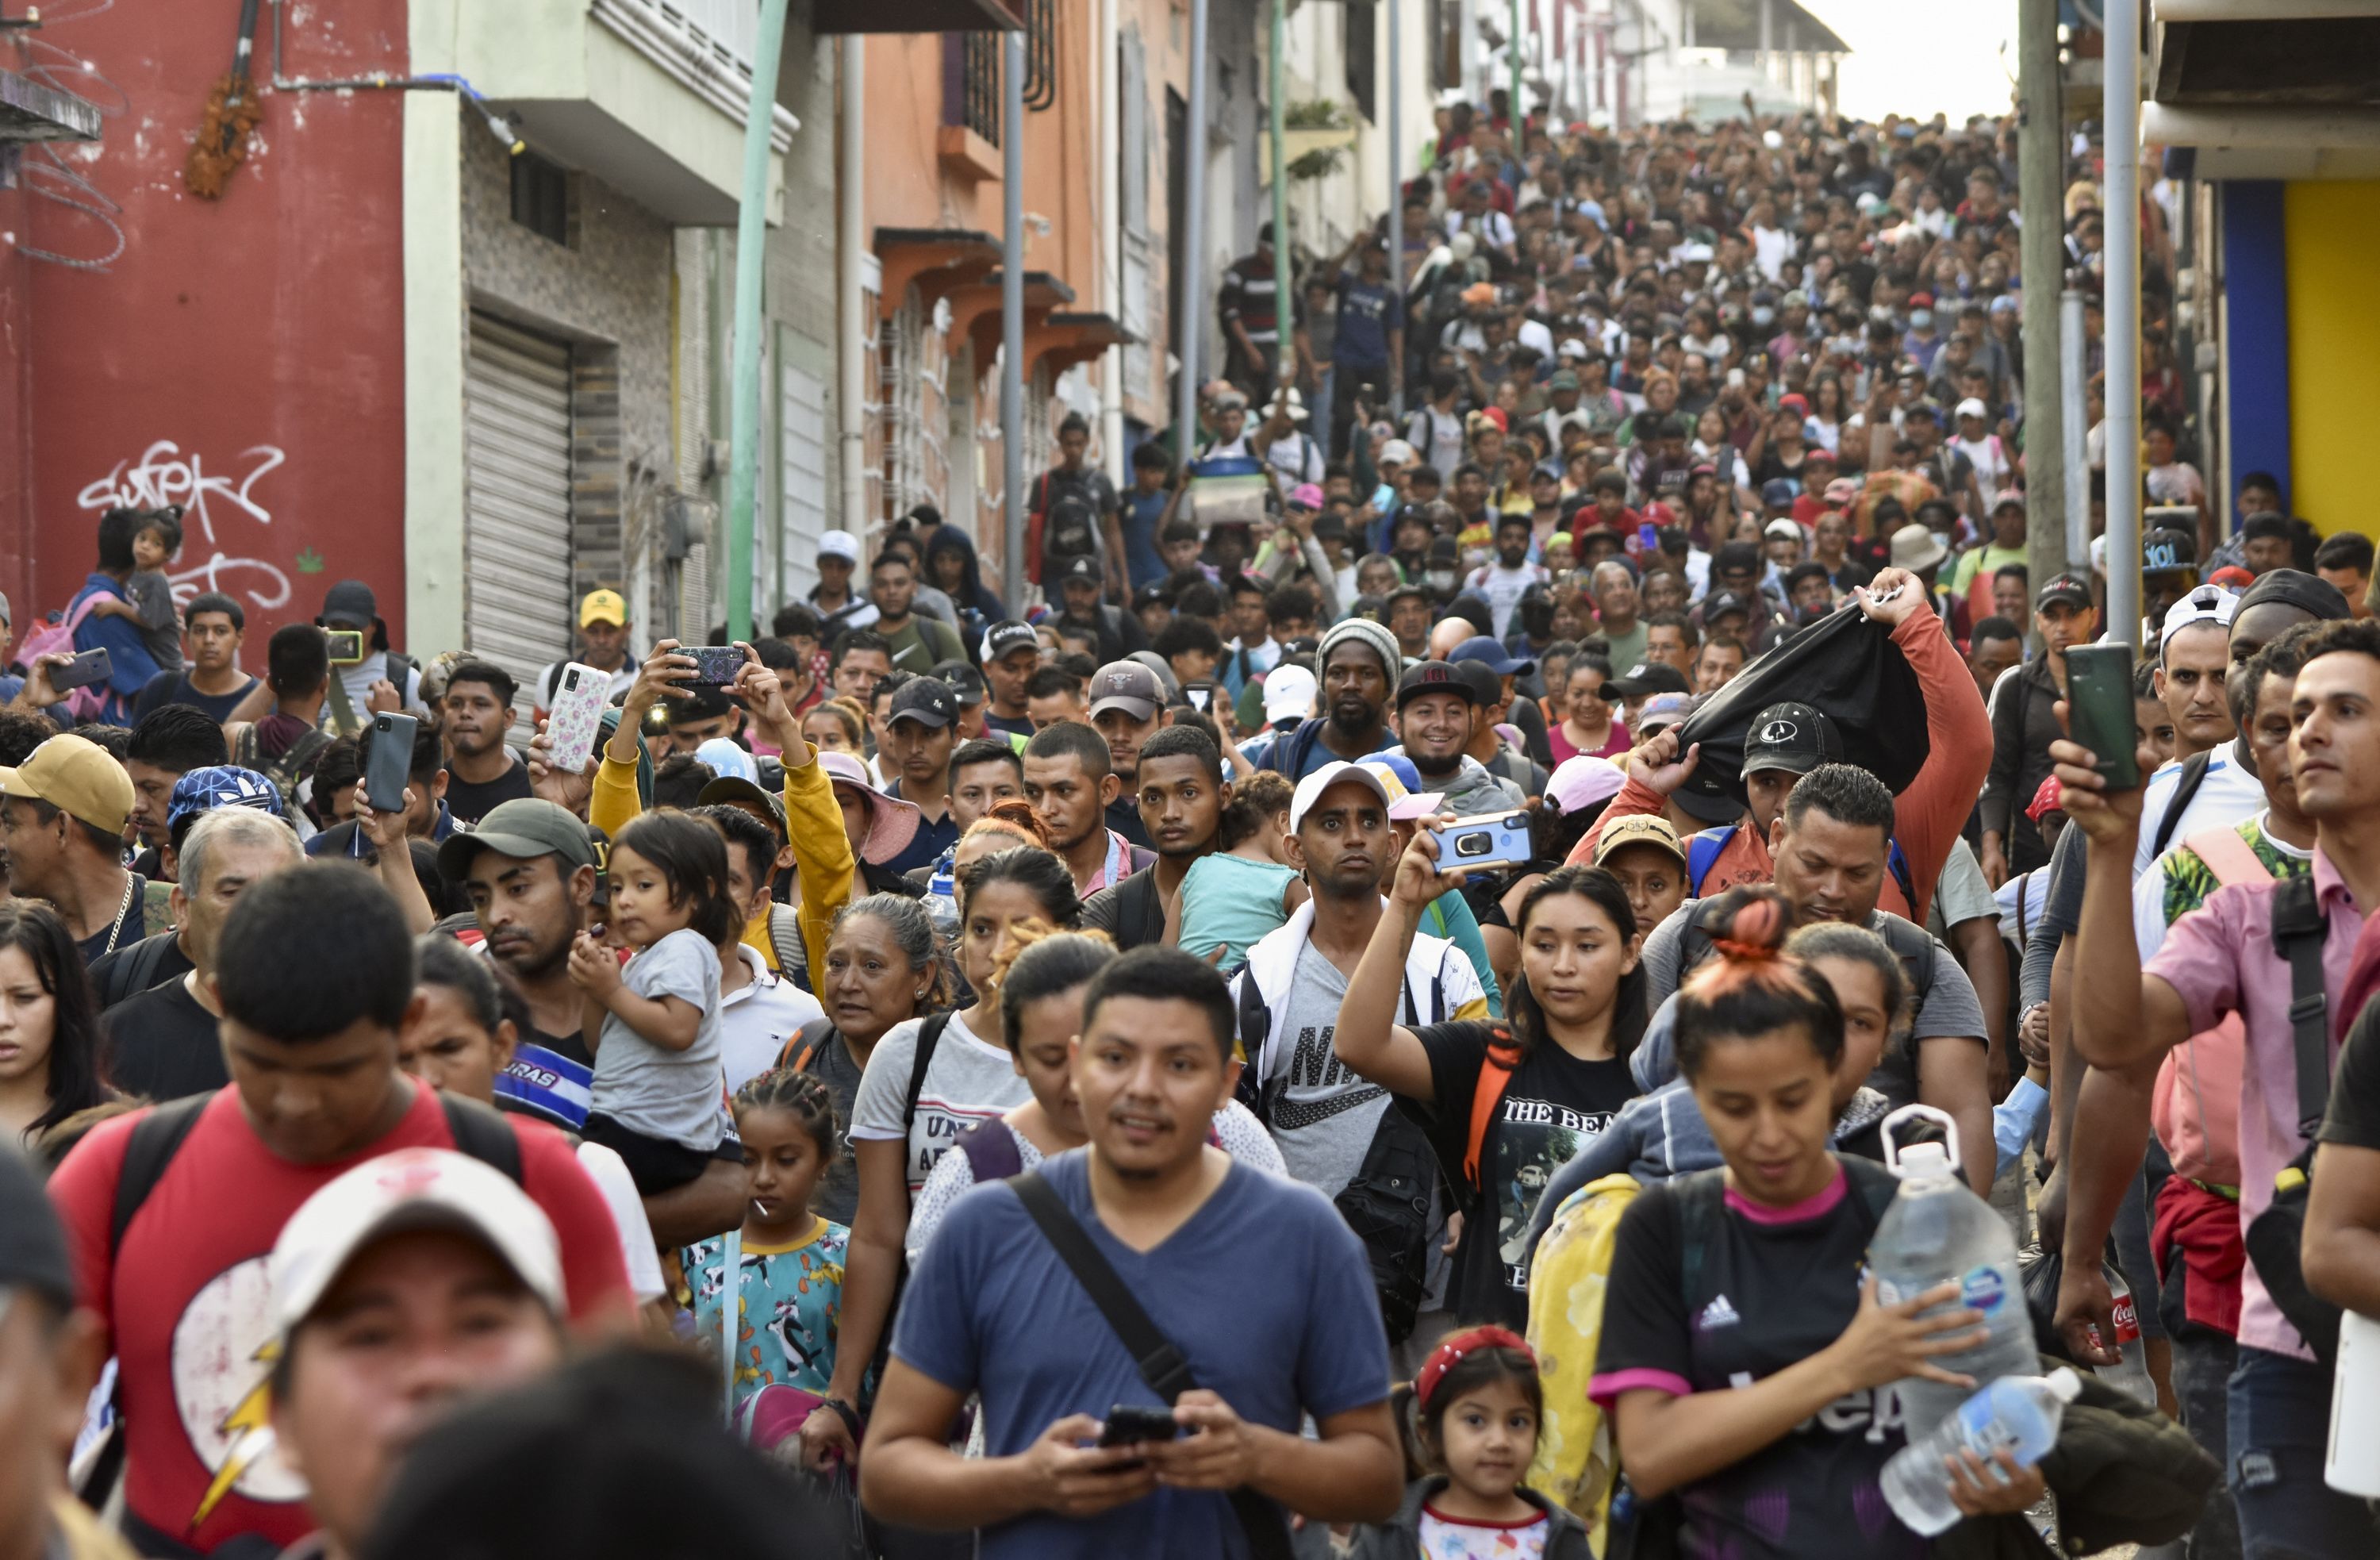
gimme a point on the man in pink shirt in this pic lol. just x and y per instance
(2220, 959)
(1927, 815)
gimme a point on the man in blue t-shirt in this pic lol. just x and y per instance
(1371, 336)
(991, 1307)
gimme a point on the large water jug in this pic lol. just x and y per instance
(2019, 1413)
(1939, 1232)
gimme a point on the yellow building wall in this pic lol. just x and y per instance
(2333, 236)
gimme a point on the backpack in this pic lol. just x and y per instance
(58, 638)
(785, 941)
(2276, 1238)
(292, 768)
(2185, 791)
(477, 1130)
(1386, 1203)
(1070, 530)
(1895, 1072)
(1703, 852)
(808, 1044)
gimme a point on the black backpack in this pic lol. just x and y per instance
(1386, 1203)
(1070, 530)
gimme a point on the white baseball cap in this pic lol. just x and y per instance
(1573, 348)
(1397, 451)
(1972, 406)
(1288, 694)
(2207, 603)
(419, 1188)
(838, 544)
(1338, 771)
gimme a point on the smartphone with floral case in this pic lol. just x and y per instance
(579, 694)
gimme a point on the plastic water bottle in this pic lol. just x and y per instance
(1937, 1232)
(2020, 1413)
(2131, 1374)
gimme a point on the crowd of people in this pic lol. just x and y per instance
(1368, 1020)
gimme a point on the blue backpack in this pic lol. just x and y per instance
(1703, 850)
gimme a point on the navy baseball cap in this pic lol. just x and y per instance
(927, 700)
(1491, 653)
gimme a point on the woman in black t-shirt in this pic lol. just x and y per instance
(1744, 1360)
(1505, 1107)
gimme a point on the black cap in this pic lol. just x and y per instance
(1648, 678)
(1435, 676)
(1720, 602)
(1792, 736)
(2071, 589)
(927, 700)
(1486, 686)
(2167, 551)
(1150, 595)
(1080, 567)
(1002, 638)
(1443, 549)
(32, 1247)
(350, 604)
(963, 679)
(2304, 591)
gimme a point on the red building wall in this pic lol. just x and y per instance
(242, 356)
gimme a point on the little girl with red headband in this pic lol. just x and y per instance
(1477, 1402)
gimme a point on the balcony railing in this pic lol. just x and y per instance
(704, 45)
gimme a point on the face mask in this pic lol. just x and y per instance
(1441, 579)
(1764, 317)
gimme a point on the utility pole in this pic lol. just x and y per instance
(1011, 314)
(751, 243)
(1284, 301)
(2122, 117)
(1194, 246)
(1396, 385)
(2041, 161)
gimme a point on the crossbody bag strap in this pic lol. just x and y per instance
(1160, 1364)
(2299, 931)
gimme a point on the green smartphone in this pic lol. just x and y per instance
(2099, 710)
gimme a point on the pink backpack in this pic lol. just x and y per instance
(58, 639)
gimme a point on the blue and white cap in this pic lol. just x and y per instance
(219, 785)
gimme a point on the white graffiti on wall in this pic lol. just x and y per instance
(164, 474)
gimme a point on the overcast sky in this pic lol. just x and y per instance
(1916, 58)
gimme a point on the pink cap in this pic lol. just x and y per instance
(1305, 495)
(1584, 780)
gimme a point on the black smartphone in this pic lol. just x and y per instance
(1130, 1424)
(2099, 710)
(391, 758)
(715, 665)
(88, 666)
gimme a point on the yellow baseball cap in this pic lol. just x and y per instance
(1643, 828)
(603, 606)
(79, 778)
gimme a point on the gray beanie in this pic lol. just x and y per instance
(1375, 635)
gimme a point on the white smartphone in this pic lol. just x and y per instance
(579, 694)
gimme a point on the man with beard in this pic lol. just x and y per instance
(1181, 794)
(530, 870)
(1501, 581)
(1359, 660)
(1435, 703)
(481, 772)
(1068, 781)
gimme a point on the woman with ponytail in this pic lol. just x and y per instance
(1506, 1104)
(1746, 1359)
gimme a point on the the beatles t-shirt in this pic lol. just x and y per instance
(1552, 1104)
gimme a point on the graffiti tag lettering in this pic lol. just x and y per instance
(162, 475)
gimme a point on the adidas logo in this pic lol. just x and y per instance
(1717, 1314)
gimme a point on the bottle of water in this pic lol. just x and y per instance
(2017, 1412)
(1939, 1232)
(2131, 1374)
